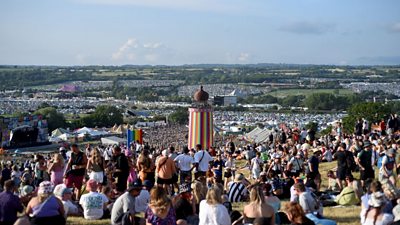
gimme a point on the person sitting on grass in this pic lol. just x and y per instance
(375, 214)
(65, 195)
(93, 203)
(348, 196)
(333, 185)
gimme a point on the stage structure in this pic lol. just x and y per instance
(23, 131)
(201, 121)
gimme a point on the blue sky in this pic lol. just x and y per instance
(175, 32)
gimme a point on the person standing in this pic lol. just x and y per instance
(256, 166)
(342, 168)
(313, 168)
(5, 173)
(56, 168)
(121, 171)
(76, 169)
(10, 204)
(96, 166)
(364, 160)
(202, 161)
(165, 168)
(184, 164)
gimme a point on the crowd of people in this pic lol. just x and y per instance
(153, 185)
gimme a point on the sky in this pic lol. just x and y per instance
(177, 32)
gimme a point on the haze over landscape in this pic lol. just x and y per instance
(175, 32)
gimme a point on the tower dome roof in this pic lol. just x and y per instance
(201, 95)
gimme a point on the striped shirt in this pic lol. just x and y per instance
(236, 191)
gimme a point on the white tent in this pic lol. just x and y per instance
(66, 136)
(93, 133)
(258, 135)
(112, 140)
(84, 130)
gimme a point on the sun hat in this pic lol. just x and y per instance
(316, 150)
(184, 188)
(45, 188)
(377, 199)
(396, 213)
(61, 189)
(239, 177)
(366, 143)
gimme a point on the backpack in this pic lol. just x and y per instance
(350, 162)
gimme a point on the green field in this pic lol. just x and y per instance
(286, 92)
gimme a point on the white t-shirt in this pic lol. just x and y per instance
(107, 154)
(142, 200)
(205, 161)
(386, 219)
(184, 162)
(70, 208)
(93, 204)
(213, 214)
(256, 164)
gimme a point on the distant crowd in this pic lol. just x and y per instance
(163, 185)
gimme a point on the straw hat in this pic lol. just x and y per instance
(239, 177)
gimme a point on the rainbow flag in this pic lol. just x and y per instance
(134, 135)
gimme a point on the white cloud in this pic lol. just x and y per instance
(153, 45)
(243, 57)
(134, 51)
(130, 43)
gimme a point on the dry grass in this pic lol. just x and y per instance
(343, 216)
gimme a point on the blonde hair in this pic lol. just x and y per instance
(58, 159)
(213, 196)
(96, 157)
(159, 201)
(199, 191)
(257, 195)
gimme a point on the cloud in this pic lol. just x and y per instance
(243, 57)
(153, 45)
(130, 43)
(395, 28)
(134, 51)
(305, 27)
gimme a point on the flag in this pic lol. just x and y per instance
(134, 135)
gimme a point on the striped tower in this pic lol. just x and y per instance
(201, 124)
